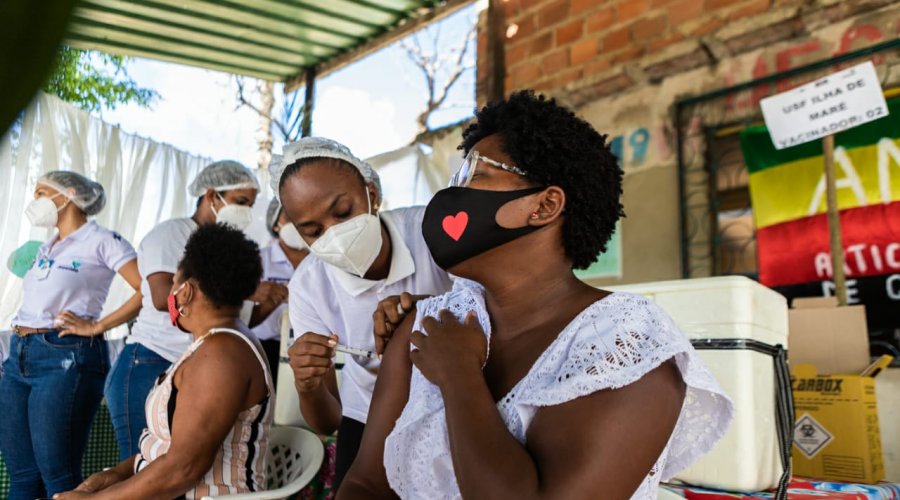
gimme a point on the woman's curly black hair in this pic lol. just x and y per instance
(224, 262)
(555, 147)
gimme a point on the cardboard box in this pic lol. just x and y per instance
(833, 339)
(837, 435)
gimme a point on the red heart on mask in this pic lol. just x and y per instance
(455, 226)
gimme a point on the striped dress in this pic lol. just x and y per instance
(240, 465)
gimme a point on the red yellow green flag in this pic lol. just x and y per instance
(787, 189)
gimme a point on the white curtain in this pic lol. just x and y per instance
(145, 181)
(412, 174)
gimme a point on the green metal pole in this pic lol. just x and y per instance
(309, 99)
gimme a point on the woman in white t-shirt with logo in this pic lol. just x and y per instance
(53, 379)
(225, 191)
(358, 256)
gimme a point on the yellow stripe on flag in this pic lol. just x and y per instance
(866, 175)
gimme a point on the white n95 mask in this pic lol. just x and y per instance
(290, 237)
(352, 245)
(236, 216)
(42, 212)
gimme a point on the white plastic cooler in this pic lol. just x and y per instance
(748, 456)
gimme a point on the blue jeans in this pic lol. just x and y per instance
(50, 392)
(127, 387)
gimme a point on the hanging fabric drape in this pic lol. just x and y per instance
(145, 181)
(412, 174)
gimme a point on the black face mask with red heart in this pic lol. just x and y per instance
(461, 223)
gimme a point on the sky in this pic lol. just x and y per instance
(370, 105)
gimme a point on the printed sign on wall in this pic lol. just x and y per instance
(829, 105)
(787, 188)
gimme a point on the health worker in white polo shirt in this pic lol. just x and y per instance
(53, 379)
(279, 259)
(358, 256)
(225, 191)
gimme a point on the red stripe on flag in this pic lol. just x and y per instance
(799, 252)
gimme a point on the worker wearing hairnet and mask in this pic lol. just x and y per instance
(225, 192)
(360, 255)
(53, 380)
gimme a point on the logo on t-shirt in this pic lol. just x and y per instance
(43, 268)
(116, 236)
(74, 267)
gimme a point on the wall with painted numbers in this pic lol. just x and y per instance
(639, 120)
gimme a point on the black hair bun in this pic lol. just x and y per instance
(224, 262)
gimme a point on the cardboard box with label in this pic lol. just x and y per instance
(837, 434)
(833, 339)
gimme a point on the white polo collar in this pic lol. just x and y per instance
(78, 235)
(276, 253)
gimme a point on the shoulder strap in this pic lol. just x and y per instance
(262, 361)
(188, 352)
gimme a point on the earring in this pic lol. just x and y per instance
(182, 310)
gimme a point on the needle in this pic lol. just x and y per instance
(353, 351)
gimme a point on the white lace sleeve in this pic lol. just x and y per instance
(616, 344)
(611, 344)
(417, 457)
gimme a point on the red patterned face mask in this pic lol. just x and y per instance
(174, 311)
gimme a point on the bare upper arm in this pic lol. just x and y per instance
(213, 389)
(160, 287)
(129, 271)
(607, 441)
(367, 478)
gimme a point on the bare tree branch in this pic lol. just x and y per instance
(292, 114)
(459, 68)
(266, 92)
(433, 64)
(289, 124)
(242, 100)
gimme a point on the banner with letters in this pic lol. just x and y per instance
(787, 189)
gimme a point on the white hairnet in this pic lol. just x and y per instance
(86, 194)
(319, 147)
(272, 215)
(223, 175)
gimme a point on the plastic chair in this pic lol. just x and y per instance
(294, 458)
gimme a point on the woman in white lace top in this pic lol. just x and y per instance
(523, 382)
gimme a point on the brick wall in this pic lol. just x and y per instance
(623, 64)
(557, 46)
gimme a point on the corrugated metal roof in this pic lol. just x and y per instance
(269, 39)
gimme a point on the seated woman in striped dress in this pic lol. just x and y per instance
(209, 415)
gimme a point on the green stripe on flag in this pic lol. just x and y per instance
(760, 153)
